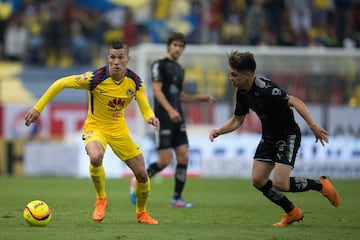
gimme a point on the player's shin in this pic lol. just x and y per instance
(301, 184)
(276, 196)
(142, 191)
(98, 177)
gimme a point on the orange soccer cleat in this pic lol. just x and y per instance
(329, 191)
(144, 217)
(100, 208)
(294, 215)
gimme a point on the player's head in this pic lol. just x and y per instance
(178, 37)
(118, 58)
(242, 68)
(175, 45)
(242, 61)
(118, 44)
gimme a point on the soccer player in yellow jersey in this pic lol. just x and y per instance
(110, 90)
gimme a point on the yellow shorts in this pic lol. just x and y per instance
(122, 145)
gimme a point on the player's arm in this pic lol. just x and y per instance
(161, 99)
(66, 82)
(145, 108)
(320, 133)
(230, 125)
(184, 97)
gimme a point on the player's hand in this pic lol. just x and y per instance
(207, 98)
(31, 116)
(214, 134)
(155, 122)
(320, 134)
(175, 116)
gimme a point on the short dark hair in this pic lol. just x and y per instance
(118, 44)
(242, 61)
(176, 36)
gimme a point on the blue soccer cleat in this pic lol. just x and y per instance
(132, 190)
(180, 203)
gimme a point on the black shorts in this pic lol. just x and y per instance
(280, 149)
(171, 135)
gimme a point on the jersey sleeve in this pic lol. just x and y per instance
(73, 81)
(143, 103)
(242, 103)
(276, 94)
(156, 72)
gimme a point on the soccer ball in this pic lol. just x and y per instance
(37, 213)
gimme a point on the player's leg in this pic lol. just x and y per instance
(182, 158)
(278, 156)
(181, 146)
(285, 150)
(281, 183)
(260, 179)
(95, 150)
(125, 148)
(164, 159)
(164, 141)
(322, 185)
(142, 189)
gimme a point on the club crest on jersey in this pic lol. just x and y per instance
(116, 102)
(130, 92)
(276, 91)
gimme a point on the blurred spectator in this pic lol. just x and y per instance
(322, 35)
(299, 14)
(33, 19)
(274, 10)
(130, 29)
(114, 20)
(15, 39)
(214, 19)
(343, 9)
(74, 31)
(255, 22)
(287, 36)
(233, 12)
(6, 8)
(354, 24)
(322, 11)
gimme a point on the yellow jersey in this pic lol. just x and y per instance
(107, 100)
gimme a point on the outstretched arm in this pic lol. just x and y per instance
(196, 98)
(232, 124)
(66, 82)
(319, 132)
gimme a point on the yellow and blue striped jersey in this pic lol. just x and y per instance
(107, 100)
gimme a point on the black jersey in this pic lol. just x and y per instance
(171, 75)
(270, 103)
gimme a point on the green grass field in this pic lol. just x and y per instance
(225, 209)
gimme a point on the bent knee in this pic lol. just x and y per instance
(259, 182)
(96, 159)
(142, 177)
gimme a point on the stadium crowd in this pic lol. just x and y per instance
(42, 32)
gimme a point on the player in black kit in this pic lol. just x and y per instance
(167, 85)
(281, 136)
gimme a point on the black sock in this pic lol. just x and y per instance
(180, 179)
(276, 197)
(301, 184)
(153, 169)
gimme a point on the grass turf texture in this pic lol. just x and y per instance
(225, 209)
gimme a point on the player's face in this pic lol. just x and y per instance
(118, 60)
(239, 79)
(175, 49)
